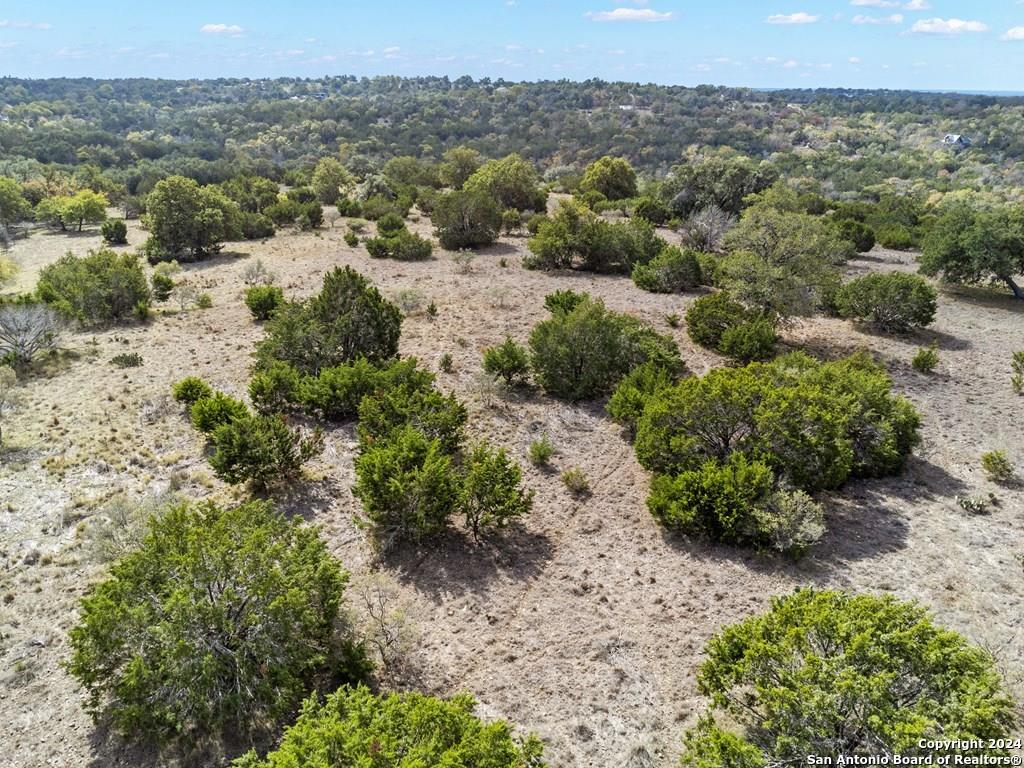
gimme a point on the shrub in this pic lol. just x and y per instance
(355, 727)
(714, 500)
(275, 388)
(507, 360)
(115, 232)
(263, 300)
(671, 271)
(388, 410)
(512, 181)
(163, 286)
(576, 481)
(349, 319)
(404, 246)
(407, 486)
(467, 220)
(351, 239)
(861, 235)
(204, 301)
(492, 492)
(583, 353)
(893, 302)
(788, 521)
(176, 640)
(895, 236)
(191, 389)
(709, 317)
(612, 177)
(630, 397)
(653, 210)
(187, 220)
(127, 360)
(564, 301)
(335, 393)
(541, 451)
(821, 663)
(255, 226)
(749, 341)
(208, 413)
(261, 450)
(1017, 375)
(27, 328)
(390, 224)
(283, 213)
(925, 359)
(997, 467)
(101, 287)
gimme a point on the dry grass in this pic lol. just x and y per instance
(587, 626)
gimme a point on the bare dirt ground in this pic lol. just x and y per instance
(587, 626)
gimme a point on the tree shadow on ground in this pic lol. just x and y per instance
(991, 298)
(452, 565)
(112, 750)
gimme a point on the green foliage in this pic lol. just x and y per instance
(671, 271)
(275, 388)
(564, 301)
(895, 236)
(467, 220)
(459, 164)
(612, 177)
(749, 341)
(541, 451)
(508, 360)
(126, 360)
(403, 246)
(204, 301)
(334, 394)
(388, 410)
(814, 424)
(997, 467)
(77, 210)
(833, 675)
(925, 359)
(1017, 375)
(966, 245)
(13, 205)
(861, 235)
(208, 413)
(653, 210)
(492, 492)
(186, 220)
(162, 286)
(893, 302)
(723, 179)
(512, 181)
(347, 320)
(630, 397)
(407, 485)
(351, 239)
(261, 450)
(191, 389)
(331, 180)
(355, 727)
(101, 287)
(115, 232)
(576, 481)
(255, 226)
(583, 353)
(175, 642)
(710, 316)
(252, 194)
(263, 300)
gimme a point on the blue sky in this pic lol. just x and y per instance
(925, 44)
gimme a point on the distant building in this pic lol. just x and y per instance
(320, 96)
(957, 140)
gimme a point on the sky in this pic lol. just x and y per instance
(918, 44)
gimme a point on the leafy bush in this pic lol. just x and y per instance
(255, 226)
(163, 286)
(671, 271)
(997, 467)
(351, 239)
(407, 486)
(335, 393)
(861, 235)
(191, 389)
(355, 727)
(709, 317)
(115, 232)
(186, 220)
(508, 360)
(583, 353)
(576, 481)
(261, 450)
(895, 236)
(612, 177)
(814, 666)
(204, 301)
(175, 641)
(347, 320)
(467, 220)
(263, 300)
(541, 451)
(275, 388)
(653, 210)
(390, 409)
(100, 287)
(925, 359)
(630, 397)
(564, 301)
(492, 492)
(208, 413)
(749, 341)
(126, 360)
(893, 302)
(404, 246)
(512, 181)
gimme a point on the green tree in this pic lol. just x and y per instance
(331, 180)
(834, 675)
(13, 205)
(459, 164)
(893, 302)
(612, 177)
(262, 450)
(966, 245)
(492, 492)
(176, 641)
(466, 220)
(100, 287)
(512, 181)
(508, 360)
(185, 219)
(355, 727)
(84, 207)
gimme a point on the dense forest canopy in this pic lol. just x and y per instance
(140, 130)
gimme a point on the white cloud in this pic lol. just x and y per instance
(791, 64)
(854, 59)
(1015, 34)
(631, 14)
(939, 26)
(896, 18)
(8, 24)
(876, 3)
(792, 18)
(231, 30)
(917, 5)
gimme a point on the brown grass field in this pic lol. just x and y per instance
(587, 625)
